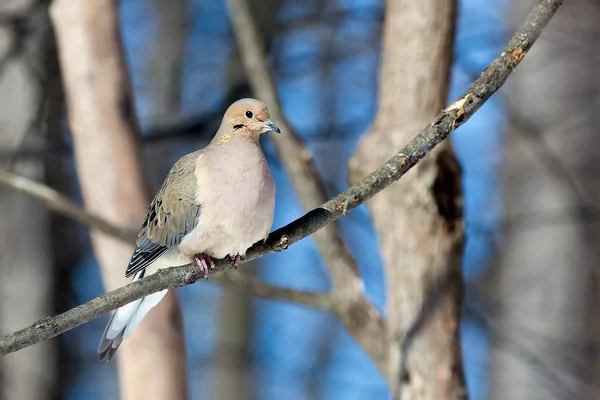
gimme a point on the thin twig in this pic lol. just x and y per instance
(254, 287)
(295, 156)
(61, 204)
(493, 77)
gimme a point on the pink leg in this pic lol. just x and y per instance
(236, 260)
(201, 260)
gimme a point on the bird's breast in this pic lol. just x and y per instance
(237, 202)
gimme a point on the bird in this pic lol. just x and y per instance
(215, 203)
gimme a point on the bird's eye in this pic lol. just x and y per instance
(249, 114)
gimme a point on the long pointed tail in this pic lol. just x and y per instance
(124, 321)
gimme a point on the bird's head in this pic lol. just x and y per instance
(249, 117)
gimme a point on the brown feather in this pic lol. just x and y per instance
(174, 209)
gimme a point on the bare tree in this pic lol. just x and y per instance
(102, 121)
(418, 221)
(546, 322)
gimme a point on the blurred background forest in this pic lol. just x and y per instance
(529, 327)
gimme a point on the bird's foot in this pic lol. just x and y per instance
(236, 260)
(204, 262)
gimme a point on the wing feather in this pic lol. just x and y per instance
(172, 214)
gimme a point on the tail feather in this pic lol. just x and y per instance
(124, 321)
(108, 347)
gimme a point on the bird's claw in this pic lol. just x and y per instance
(236, 260)
(204, 262)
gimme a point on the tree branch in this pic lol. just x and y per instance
(63, 205)
(295, 156)
(492, 78)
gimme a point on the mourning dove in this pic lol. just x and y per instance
(215, 203)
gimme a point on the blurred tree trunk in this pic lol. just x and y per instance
(235, 372)
(67, 238)
(164, 78)
(26, 274)
(264, 13)
(102, 121)
(418, 219)
(547, 329)
(165, 66)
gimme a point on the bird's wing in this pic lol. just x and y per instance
(172, 214)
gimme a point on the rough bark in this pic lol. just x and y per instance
(26, 273)
(547, 324)
(102, 121)
(419, 220)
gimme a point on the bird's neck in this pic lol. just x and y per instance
(238, 155)
(225, 137)
(234, 144)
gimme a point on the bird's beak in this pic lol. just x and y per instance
(271, 126)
